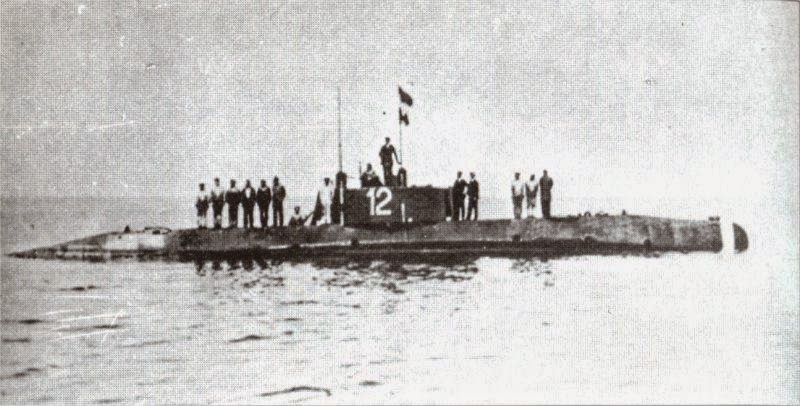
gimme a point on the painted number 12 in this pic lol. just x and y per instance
(378, 199)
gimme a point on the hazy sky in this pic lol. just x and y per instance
(614, 98)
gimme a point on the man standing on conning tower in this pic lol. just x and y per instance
(386, 154)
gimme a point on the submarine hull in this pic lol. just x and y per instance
(465, 239)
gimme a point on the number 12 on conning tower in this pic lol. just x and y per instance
(395, 205)
(378, 199)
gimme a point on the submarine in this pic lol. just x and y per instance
(399, 222)
(408, 223)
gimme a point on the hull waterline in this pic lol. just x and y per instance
(608, 235)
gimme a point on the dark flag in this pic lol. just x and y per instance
(404, 97)
(403, 117)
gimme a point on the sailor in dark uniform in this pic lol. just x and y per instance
(217, 203)
(297, 219)
(233, 197)
(402, 177)
(202, 207)
(369, 178)
(263, 198)
(278, 194)
(338, 197)
(545, 187)
(386, 154)
(459, 187)
(248, 203)
(472, 197)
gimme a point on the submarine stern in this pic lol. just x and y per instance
(740, 241)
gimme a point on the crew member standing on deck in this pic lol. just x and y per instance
(278, 194)
(339, 187)
(325, 197)
(202, 207)
(545, 186)
(531, 189)
(297, 219)
(517, 195)
(386, 154)
(369, 178)
(472, 197)
(263, 198)
(233, 197)
(402, 177)
(459, 188)
(249, 203)
(217, 203)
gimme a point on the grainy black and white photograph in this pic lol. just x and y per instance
(399, 202)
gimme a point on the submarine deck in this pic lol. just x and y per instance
(525, 237)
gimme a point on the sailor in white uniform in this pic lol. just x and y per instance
(517, 195)
(217, 202)
(325, 194)
(531, 190)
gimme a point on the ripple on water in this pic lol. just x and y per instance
(298, 302)
(81, 288)
(294, 389)
(354, 306)
(146, 344)
(386, 361)
(21, 374)
(154, 382)
(109, 401)
(19, 340)
(26, 321)
(249, 337)
(388, 275)
(105, 326)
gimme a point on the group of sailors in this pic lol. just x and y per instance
(248, 198)
(469, 191)
(522, 191)
(465, 196)
(325, 209)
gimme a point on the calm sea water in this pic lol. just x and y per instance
(700, 328)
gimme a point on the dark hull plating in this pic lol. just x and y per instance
(449, 240)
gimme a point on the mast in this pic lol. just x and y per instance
(400, 138)
(339, 126)
(341, 179)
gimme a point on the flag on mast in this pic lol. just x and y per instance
(403, 118)
(405, 97)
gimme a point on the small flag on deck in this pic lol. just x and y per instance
(403, 117)
(404, 97)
